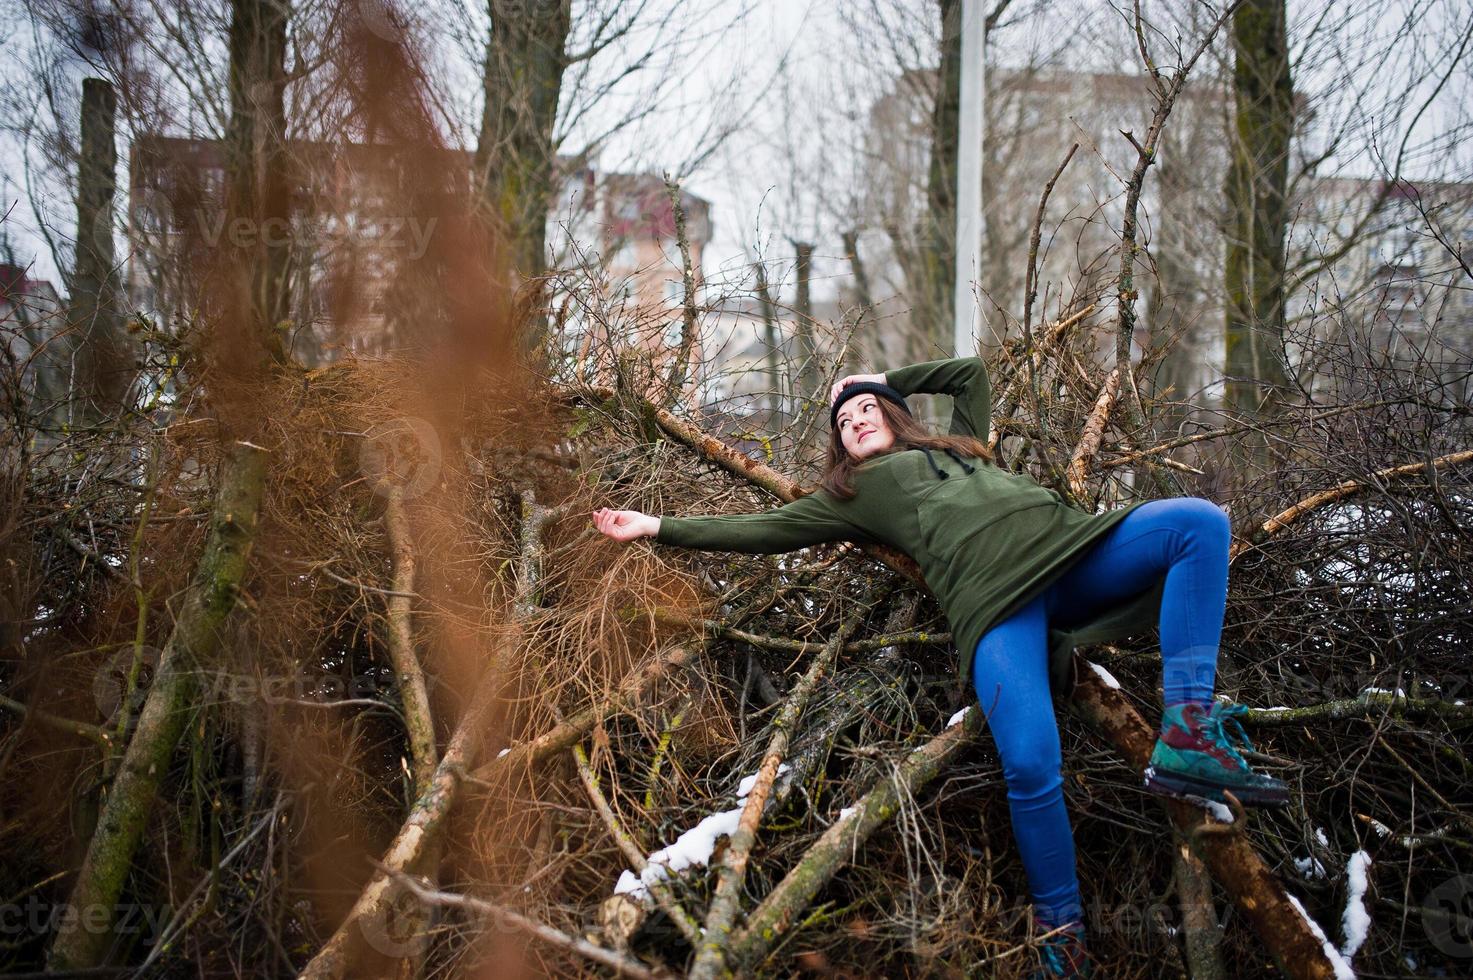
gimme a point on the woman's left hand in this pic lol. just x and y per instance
(853, 379)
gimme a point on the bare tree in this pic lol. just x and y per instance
(103, 350)
(1257, 196)
(526, 56)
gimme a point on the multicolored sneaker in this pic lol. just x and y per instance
(1063, 954)
(1196, 757)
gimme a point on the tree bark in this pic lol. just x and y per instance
(1258, 209)
(257, 187)
(526, 55)
(1201, 932)
(419, 723)
(192, 645)
(864, 302)
(807, 353)
(776, 410)
(103, 347)
(935, 269)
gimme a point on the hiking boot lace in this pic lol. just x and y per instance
(1221, 724)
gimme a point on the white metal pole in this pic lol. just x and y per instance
(969, 218)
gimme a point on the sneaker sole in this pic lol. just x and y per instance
(1180, 786)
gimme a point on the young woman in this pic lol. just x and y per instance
(1017, 572)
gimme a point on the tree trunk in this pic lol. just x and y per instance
(515, 157)
(808, 373)
(103, 348)
(864, 302)
(932, 309)
(1258, 211)
(776, 410)
(1171, 309)
(192, 645)
(257, 190)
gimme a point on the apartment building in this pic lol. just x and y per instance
(346, 213)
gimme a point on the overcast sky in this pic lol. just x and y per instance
(789, 80)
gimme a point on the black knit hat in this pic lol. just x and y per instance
(866, 388)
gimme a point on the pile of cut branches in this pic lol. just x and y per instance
(448, 724)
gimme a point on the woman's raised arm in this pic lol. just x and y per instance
(964, 378)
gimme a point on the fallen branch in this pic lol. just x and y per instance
(724, 904)
(1340, 491)
(376, 904)
(192, 644)
(101, 736)
(717, 628)
(1094, 431)
(565, 734)
(1393, 704)
(1255, 890)
(1201, 932)
(1007, 397)
(780, 910)
(419, 724)
(624, 966)
(658, 887)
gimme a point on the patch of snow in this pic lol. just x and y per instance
(1104, 675)
(1277, 707)
(847, 812)
(1382, 690)
(745, 786)
(1310, 867)
(503, 752)
(692, 848)
(1356, 922)
(1337, 962)
(1319, 835)
(956, 719)
(1219, 811)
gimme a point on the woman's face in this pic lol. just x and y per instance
(862, 427)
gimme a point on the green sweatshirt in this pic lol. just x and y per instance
(986, 540)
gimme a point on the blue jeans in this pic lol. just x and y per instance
(1184, 539)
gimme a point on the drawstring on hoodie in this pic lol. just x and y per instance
(942, 474)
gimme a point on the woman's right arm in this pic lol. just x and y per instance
(804, 522)
(964, 378)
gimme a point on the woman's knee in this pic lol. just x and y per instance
(1032, 769)
(1203, 520)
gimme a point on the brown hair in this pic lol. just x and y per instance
(909, 434)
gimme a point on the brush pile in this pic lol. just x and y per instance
(449, 728)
